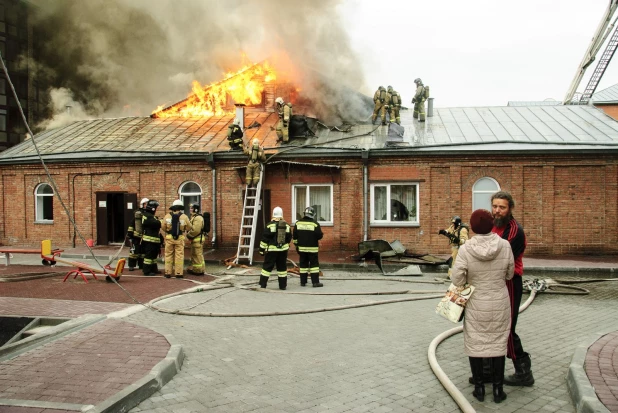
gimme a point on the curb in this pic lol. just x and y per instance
(134, 394)
(581, 390)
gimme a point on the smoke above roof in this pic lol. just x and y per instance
(125, 57)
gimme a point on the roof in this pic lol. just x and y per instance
(539, 128)
(550, 102)
(607, 95)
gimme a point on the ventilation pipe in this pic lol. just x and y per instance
(240, 115)
(68, 109)
(430, 107)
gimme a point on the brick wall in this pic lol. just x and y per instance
(566, 203)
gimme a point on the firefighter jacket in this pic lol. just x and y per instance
(197, 225)
(255, 155)
(234, 135)
(380, 96)
(419, 96)
(461, 232)
(269, 238)
(184, 224)
(285, 113)
(151, 226)
(306, 235)
(135, 230)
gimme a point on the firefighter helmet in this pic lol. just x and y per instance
(152, 205)
(309, 212)
(236, 121)
(277, 212)
(456, 221)
(143, 201)
(389, 88)
(381, 88)
(256, 142)
(177, 205)
(195, 207)
(279, 101)
(418, 81)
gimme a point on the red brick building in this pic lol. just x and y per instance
(559, 162)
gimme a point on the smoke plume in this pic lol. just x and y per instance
(126, 57)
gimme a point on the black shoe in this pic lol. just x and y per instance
(499, 394)
(263, 281)
(476, 365)
(167, 276)
(283, 283)
(318, 285)
(131, 268)
(497, 371)
(180, 276)
(303, 284)
(150, 274)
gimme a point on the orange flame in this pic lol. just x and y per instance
(244, 86)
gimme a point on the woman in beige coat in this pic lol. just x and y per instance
(486, 262)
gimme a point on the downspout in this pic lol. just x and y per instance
(211, 161)
(365, 159)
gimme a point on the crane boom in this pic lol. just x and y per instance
(597, 41)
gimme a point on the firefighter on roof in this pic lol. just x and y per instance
(394, 104)
(307, 234)
(196, 237)
(275, 244)
(135, 234)
(457, 234)
(380, 100)
(234, 135)
(285, 115)
(174, 225)
(421, 95)
(151, 243)
(256, 158)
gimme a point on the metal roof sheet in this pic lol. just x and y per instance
(534, 103)
(606, 95)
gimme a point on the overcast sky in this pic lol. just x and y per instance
(476, 52)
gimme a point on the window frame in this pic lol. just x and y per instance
(388, 223)
(37, 209)
(182, 195)
(474, 206)
(307, 195)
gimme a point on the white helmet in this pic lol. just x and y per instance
(236, 121)
(277, 212)
(144, 201)
(256, 142)
(177, 202)
(279, 100)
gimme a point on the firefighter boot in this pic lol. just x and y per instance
(283, 283)
(140, 263)
(315, 279)
(497, 371)
(263, 281)
(487, 377)
(523, 374)
(303, 280)
(476, 365)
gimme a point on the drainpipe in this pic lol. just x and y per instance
(240, 115)
(365, 159)
(211, 161)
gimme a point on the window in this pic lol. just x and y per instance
(482, 190)
(394, 204)
(44, 197)
(190, 193)
(320, 197)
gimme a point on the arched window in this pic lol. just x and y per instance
(190, 193)
(44, 203)
(482, 190)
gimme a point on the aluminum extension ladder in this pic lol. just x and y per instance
(248, 223)
(610, 49)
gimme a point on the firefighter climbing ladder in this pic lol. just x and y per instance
(248, 224)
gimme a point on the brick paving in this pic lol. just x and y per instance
(84, 367)
(34, 307)
(602, 369)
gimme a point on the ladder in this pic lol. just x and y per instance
(248, 223)
(610, 49)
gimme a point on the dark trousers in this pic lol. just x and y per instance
(308, 262)
(136, 256)
(151, 252)
(278, 259)
(514, 348)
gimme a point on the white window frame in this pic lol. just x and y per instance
(387, 223)
(328, 223)
(475, 192)
(182, 195)
(37, 212)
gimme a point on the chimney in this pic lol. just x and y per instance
(429, 107)
(240, 115)
(68, 108)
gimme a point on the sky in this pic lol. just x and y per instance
(476, 52)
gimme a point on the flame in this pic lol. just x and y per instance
(243, 86)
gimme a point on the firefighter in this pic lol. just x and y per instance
(307, 233)
(256, 158)
(196, 238)
(380, 100)
(394, 104)
(419, 100)
(174, 225)
(285, 114)
(275, 244)
(234, 135)
(457, 234)
(134, 234)
(151, 243)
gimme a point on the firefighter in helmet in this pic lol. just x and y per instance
(457, 234)
(419, 100)
(275, 244)
(380, 102)
(394, 105)
(134, 234)
(307, 234)
(256, 158)
(175, 224)
(234, 135)
(196, 237)
(151, 243)
(285, 115)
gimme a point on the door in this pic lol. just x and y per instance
(101, 218)
(130, 206)
(115, 212)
